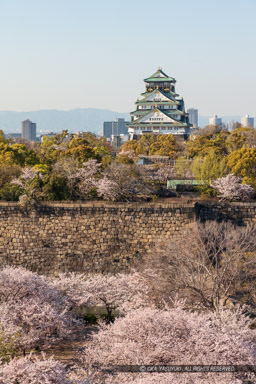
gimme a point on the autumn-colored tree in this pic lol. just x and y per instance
(80, 149)
(165, 145)
(8, 172)
(235, 140)
(144, 144)
(59, 138)
(2, 138)
(130, 145)
(249, 134)
(243, 162)
(17, 154)
(126, 157)
(200, 145)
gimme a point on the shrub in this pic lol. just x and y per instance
(10, 192)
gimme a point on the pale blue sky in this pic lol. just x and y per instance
(64, 54)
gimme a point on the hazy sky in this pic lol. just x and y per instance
(64, 54)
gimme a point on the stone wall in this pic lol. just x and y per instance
(99, 237)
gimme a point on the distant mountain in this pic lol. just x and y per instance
(88, 119)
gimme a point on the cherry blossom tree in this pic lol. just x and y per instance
(123, 182)
(171, 336)
(86, 176)
(108, 189)
(230, 188)
(30, 192)
(122, 292)
(32, 309)
(27, 174)
(33, 370)
(164, 173)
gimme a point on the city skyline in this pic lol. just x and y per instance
(62, 55)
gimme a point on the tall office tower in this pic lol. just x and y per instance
(193, 117)
(215, 120)
(28, 130)
(160, 110)
(116, 128)
(247, 121)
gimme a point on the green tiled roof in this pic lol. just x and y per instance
(137, 122)
(140, 112)
(168, 112)
(176, 124)
(155, 77)
(159, 79)
(175, 102)
(168, 95)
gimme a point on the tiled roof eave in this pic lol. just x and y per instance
(160, 80)
(157, 124)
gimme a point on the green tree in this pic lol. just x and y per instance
(10, 192)
(55, 188)
(49, 151)
(183, 167)
(209, 168)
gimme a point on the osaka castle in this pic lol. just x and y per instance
(160, 110)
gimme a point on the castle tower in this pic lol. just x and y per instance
(160, 110)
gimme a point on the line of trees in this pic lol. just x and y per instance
(83, 167)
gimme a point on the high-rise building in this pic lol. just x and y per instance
(193, 117)
(116, 128)
(28, 130)
(215, 121)
(247, 121)
(160, 110)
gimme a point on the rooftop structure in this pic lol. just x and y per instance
(247, 121)
(215, 120)
(160, 110)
